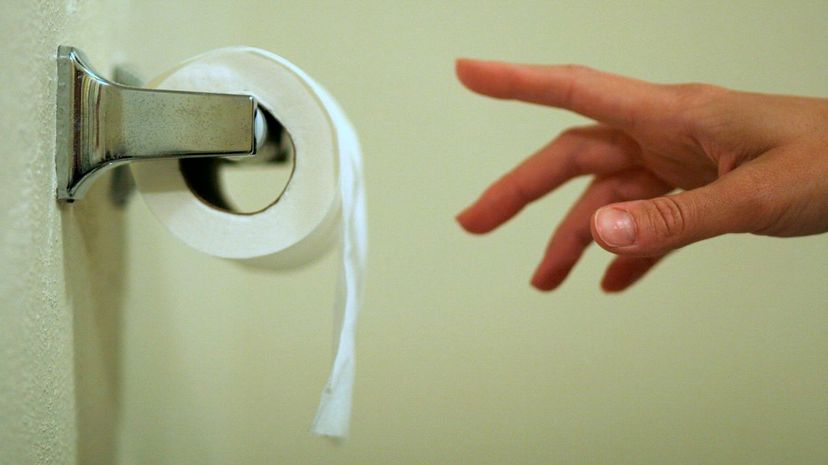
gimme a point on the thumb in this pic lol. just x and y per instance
(656, 226)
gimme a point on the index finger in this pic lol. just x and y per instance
(605, 97)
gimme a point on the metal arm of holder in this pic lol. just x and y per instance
(101, 124)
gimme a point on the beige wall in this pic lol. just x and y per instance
(61, 268)
(718, 357)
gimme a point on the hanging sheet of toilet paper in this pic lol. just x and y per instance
(323, 202)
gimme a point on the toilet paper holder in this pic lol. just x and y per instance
(101, 124)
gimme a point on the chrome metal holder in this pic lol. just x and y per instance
(101, 124)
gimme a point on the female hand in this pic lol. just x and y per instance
(742, 163)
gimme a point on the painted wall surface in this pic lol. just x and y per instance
(721, 356)
(61, 268)
(120, 344)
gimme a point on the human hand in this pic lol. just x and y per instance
(743, 162)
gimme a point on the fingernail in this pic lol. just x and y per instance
(616, 227)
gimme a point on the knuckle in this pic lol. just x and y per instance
(667, 217)
(699, 106)
(699, 93)
(697, 101)
(572, 90)
(515, 192)
(573, 159)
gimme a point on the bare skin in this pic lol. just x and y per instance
(670, 164)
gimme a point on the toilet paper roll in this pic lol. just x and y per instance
(323, 200)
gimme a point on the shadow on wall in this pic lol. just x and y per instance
(95, 272)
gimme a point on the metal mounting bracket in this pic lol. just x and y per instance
(101, 124)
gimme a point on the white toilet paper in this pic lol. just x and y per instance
(324, 199)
